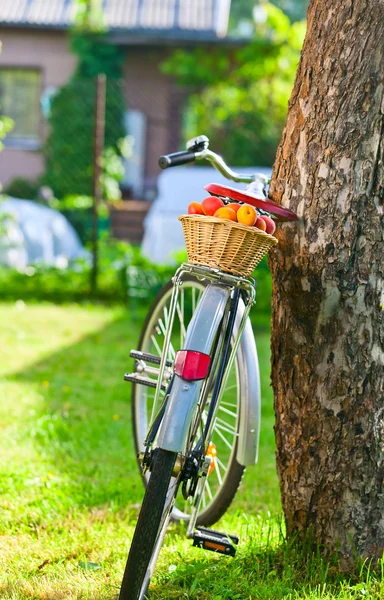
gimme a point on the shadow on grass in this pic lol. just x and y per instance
(81, 425)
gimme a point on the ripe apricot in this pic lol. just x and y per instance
(195, 208)
(270, 223)
(211, 204)
(225, 213)
(247, 215)
(235, 206)
(261, 224)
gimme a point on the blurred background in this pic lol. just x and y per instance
(92, 93)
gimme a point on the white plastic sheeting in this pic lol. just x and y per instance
(177, 187)
(36, 234)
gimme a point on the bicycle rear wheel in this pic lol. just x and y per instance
(226, 477)
(151, 526)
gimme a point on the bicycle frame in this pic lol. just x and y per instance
(202, 330)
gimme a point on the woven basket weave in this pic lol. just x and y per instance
(224, 244)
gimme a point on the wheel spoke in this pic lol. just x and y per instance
(217, 430)
(228, 412)
(183, 331)
(155, 343)
(217, 471)
(230, 404)
(224, 426)
(165, 313)
(220, 462)
(171, 349)
(204, 498)
(231, 387)
(209, 492)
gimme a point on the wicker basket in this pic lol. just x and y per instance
(224, 244)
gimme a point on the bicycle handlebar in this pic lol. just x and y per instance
(223, 168)
(176, 158)
(182, 158)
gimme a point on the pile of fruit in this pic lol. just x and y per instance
(240, 213)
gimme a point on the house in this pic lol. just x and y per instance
(35, 61)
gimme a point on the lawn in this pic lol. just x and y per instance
(70, 489)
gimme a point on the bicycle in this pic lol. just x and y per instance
(199, 428)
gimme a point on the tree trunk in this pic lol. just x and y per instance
(328, 287)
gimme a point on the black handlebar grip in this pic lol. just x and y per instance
(176, 159)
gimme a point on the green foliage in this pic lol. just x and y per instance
(124, 273)
(21, 187)
(69, 149)
(3, 228)
(112, 172)
(242, 96)
(6, 125)
(96, 55)
(72, 202)
(241, 10)
(89, 15)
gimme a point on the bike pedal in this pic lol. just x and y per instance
(135, 378)
(151, 358)
(222, 543)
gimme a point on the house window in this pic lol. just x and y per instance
(20, 100)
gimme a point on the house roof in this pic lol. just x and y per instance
(160, 19)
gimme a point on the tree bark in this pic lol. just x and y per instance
(328, 286)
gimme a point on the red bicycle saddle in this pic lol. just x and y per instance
(281, 213)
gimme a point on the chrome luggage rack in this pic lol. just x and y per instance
(159, 376)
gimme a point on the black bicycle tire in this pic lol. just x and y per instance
(235, 471)
(148, 525)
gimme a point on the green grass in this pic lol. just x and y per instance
(70, 489)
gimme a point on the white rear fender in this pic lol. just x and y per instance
(184, 395)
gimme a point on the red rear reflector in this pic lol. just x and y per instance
(191, 365)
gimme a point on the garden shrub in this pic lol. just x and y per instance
(42, 282)
(69, 148)
(126, 276)
(20, 187)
